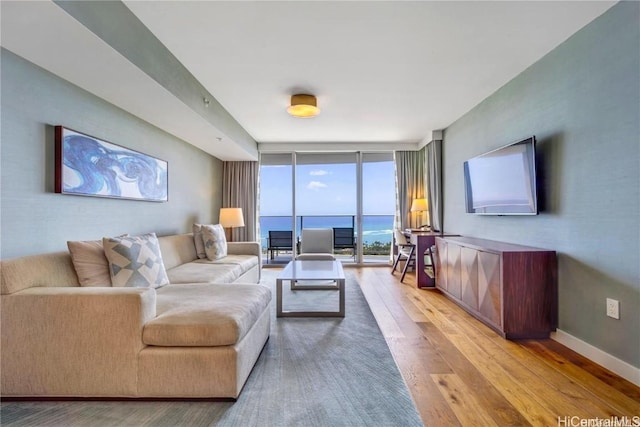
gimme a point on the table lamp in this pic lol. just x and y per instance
(229, 218)
(420, 205)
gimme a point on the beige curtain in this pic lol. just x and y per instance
(240, 190)
(410, 184)
(434, 183)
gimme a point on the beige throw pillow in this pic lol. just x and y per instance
(135, 261)
(90, 262)
(215, 242)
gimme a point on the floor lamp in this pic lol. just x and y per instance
(229, 218)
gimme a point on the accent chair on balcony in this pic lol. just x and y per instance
(316, 244)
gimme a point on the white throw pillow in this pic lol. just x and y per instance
(215, 242)
(135, 261)
(199, 240)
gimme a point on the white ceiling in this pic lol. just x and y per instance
(383, 71)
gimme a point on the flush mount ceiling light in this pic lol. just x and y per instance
(303, 105)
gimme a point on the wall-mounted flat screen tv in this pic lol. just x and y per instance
(503, 181)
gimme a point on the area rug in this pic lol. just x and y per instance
(312, 372)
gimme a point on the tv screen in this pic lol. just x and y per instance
(503, 181)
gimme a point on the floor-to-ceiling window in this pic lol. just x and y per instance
(352, 193)
(378, 206)
(275, 205)
(327, 196)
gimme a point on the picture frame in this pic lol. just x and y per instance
(88, 166)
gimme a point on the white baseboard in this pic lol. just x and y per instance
(612, 363)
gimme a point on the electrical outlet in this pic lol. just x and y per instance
(613, 308)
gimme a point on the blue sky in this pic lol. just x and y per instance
(328, 189)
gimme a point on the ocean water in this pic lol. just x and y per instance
(376, 228)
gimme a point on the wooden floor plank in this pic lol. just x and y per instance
(407, 317)
(623, 386)
(432, 407)
(570, 397)
(415, 367)
(386, 322)
(416, 364)
(398, 294)
(539, 412)
(622, 404)
(503, 412)
(462, 401)
(422, 357)
(512, 382)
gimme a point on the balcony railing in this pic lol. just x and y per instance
(376, 236)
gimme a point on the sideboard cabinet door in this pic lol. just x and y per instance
(442, 264)
(490, 288)
(469, 277)
(453, 270)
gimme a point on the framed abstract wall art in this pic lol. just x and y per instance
(87, 166)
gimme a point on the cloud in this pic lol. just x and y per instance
(316, 185)
(318, 172)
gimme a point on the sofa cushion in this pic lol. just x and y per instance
(204, 314)
(246, 262)
(177, 249)
(135, 261)
(198, 240)
(204, 272)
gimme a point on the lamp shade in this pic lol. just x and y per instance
(231, 217)
(419, 205)
(303, 105)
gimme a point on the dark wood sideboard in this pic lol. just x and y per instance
(511, 288)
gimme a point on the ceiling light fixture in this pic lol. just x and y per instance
(303, 105)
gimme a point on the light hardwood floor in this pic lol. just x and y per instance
(460, 372)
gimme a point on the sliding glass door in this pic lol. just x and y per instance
(378, 206)
(276, 208)
(327, 196)
(352, 193)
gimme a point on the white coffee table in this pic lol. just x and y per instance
(312, 271)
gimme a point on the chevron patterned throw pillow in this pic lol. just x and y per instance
(135, 261)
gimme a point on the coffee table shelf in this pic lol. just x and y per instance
(308, 270)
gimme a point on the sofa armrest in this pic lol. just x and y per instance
(243, 248)
(246, 248)
(73, 341)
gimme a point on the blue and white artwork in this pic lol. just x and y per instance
(91, 167)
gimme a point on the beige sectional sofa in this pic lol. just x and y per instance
(198, 337)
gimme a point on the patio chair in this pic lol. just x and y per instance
(279, 241)
(344, 238)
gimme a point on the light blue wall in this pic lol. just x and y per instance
(582, 102)
(34, 219)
